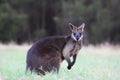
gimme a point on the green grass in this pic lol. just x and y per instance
(100, 63)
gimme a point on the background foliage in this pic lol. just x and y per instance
(28, 20)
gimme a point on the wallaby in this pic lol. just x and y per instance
(47, 53)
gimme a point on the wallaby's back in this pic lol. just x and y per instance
(46, 54)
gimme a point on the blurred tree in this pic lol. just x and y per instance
(29, 20)
(42, 15)
(11, 22)
(99, 16)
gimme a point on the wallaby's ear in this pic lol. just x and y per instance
(71, 26)
(82, 26)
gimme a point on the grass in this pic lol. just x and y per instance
(93, 63)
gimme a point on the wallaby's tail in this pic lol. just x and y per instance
(26, 70)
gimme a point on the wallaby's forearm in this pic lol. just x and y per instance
(70, 64)
(74, 59)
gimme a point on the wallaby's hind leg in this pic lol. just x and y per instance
(40, 71)
(51, 65)
(56, 64)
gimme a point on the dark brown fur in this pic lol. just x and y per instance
(47, 53)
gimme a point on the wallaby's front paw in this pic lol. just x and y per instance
(69, 67)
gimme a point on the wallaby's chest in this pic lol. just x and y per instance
(71, 48)
(75, 49)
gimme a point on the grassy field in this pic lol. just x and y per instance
(93, 63)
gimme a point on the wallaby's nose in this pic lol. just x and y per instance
(77, 38)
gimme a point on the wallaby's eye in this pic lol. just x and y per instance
(80, 33)
(74, 34)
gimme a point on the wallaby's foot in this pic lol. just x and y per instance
(41, 74)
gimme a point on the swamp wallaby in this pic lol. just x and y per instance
(47, 53)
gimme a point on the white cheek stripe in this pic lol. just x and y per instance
(80, 37)
(73, 37)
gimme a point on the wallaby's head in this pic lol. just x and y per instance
(77, 32)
